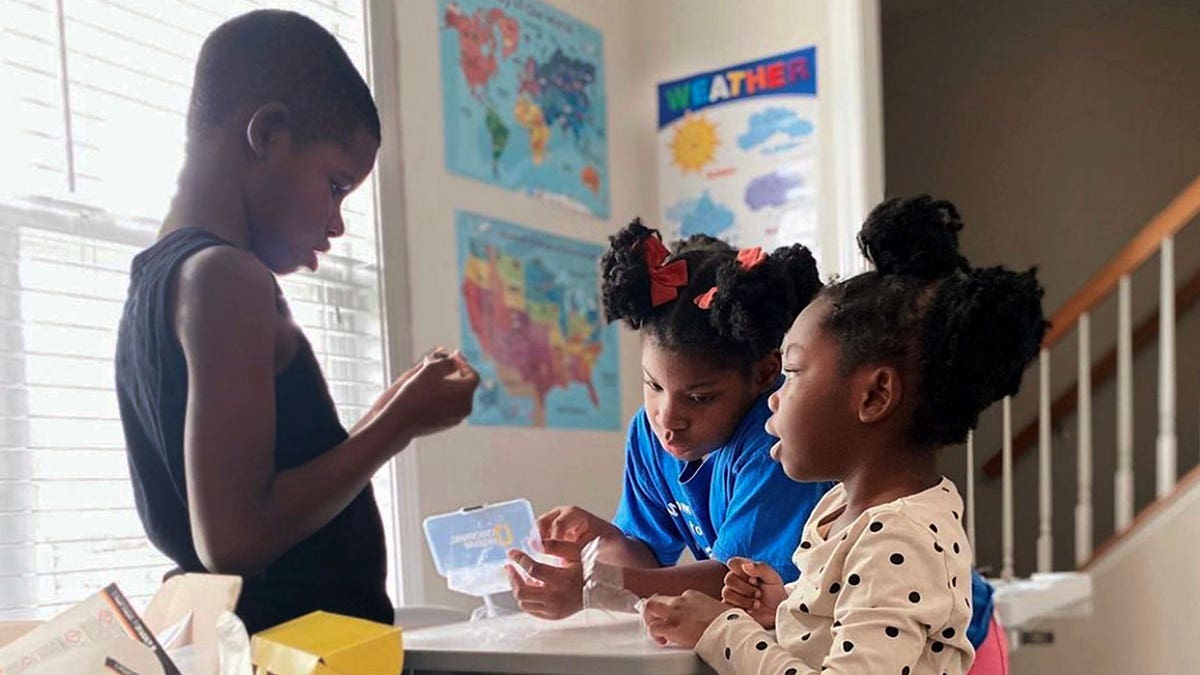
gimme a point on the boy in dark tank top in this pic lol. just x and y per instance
(238, 461)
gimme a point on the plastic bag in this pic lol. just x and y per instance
(233, 645)
(604, 584)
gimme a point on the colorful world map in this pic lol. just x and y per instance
(523, 93)
(532, 323)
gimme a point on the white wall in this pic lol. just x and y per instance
(1059, 128)
(471, 464)
(682, 37)
(1145, 611)
(644, 43)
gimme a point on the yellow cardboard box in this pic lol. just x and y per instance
(322, 643)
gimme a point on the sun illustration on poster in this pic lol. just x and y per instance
(694, 145)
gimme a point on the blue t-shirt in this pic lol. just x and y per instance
(737, 501)
(981, 610)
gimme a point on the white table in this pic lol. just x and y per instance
(589, 643)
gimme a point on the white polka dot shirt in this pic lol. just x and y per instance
(891, 593)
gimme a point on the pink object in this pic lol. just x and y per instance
(705, 301)
(751, 257)
(992, 656)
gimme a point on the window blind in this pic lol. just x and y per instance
(93, 97)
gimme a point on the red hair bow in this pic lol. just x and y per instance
(751, 257)
(748, 258)
(705, 301)
(665, 279)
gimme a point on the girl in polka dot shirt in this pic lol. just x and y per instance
(883, 370)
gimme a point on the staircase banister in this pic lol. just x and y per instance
(1177, 214)
(1186, 296)
(1170, 220)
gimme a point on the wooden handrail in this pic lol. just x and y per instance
(1102, 371)
(1170, 220)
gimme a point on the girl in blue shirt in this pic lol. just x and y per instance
(698, 470)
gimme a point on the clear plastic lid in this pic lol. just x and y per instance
(470, 546)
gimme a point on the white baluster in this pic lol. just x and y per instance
(1045, 545)
(1124, 476)
(1083, 503)
(971, 489)
(1167, 443)
(1006, 530)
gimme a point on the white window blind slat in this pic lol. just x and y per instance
(133, 47)
(115, 553)
(139, 580)
(51, 433)
(67, 522)
(149, 18)
(78, 464)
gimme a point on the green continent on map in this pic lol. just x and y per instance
(499, 133)
(552, 90)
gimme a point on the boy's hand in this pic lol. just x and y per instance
(384, 399)
(754, 587)
(681, 620)
(433, 396)
(551, 592)
(573, 524)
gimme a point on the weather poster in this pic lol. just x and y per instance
(523, 100)
(737, 152)
(532, 326)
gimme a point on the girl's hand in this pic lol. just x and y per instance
(551, 592)
(681, 620)
(573, 524)
(754, 587)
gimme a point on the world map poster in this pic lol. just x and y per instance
(523, 100)
(533, 327)
(737, 153)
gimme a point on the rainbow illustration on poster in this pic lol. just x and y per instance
(738, 152)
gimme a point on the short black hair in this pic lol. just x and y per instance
(966, 333)
(272, 55)
(750, 312)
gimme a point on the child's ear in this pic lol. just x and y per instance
(266, 127)
(880, 394)
(767, 370)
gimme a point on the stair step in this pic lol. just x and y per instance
(1022, 602)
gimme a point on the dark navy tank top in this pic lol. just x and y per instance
(342, 567)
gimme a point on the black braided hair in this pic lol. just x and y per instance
(750, 313)
(967, 334)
